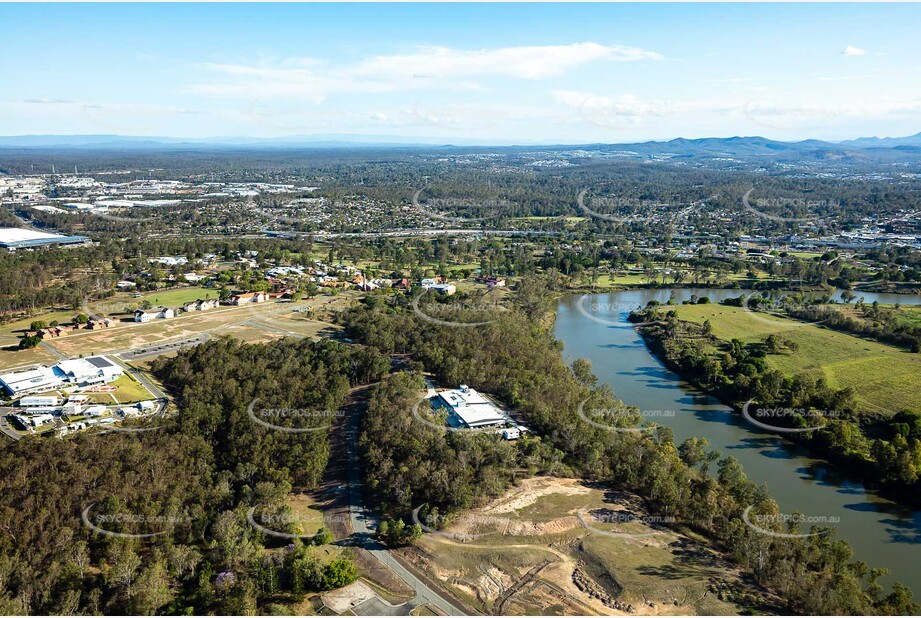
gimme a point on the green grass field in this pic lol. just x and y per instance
(130, 390)
(630, 279)
(885, 379)
(175, 298)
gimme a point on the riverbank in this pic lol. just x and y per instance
(866, 443)
(879, 530)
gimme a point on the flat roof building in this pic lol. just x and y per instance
(48, 401)
(90, 370)
(468, 408)
(33, 380)
(20, 238)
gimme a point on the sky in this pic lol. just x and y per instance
(462, 73)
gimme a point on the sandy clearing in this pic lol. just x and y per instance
(530, 490)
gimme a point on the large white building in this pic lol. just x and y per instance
(83, 371)
(468, 408)
(14, 238)
(90, 370)
(31, 381)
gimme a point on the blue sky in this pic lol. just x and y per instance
(493, 73)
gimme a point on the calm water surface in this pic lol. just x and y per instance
(881, 532)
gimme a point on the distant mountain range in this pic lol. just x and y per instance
(750, 149)
(884, 142)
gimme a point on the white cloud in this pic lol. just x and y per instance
(527, 62)
(850, 50)
(785, 114)
(841, 78)
(623, 110)
(428, 67)
(729, 80)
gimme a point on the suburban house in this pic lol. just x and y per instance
(363, 284)
(200, 305)
(445, 289)
(248, 297)
(151, 314)
(492, 281)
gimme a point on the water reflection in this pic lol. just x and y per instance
(881, 532)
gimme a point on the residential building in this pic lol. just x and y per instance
(200, 305)
(445, 289)
(248, 297)
(142, 315)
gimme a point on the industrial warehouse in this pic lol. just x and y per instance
(13, 238)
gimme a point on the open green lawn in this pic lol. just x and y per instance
(628, 279)
(886, 379)
(130, 390)
(306, 516)
(911, 315)
(174, 298)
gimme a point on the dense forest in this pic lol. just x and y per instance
(515, 358)
(189, 484)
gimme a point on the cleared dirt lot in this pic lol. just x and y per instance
(264, 321)
(561, 546)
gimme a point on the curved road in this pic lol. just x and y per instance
(364, 524)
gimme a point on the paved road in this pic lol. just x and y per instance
(5, 427)
(364, 524)
(162, 347)
(141, 377)
(50, 348)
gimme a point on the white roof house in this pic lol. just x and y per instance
(470, 409)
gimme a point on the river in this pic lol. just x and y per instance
(882, 533)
